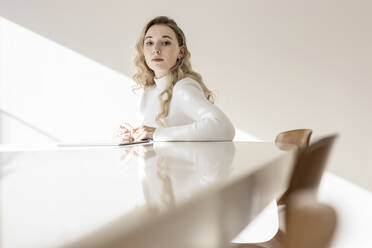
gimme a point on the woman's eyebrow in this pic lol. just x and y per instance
(167, 36)
(164, 36)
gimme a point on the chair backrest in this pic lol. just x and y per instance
(298, 138)
(309, 223)
(309, 167)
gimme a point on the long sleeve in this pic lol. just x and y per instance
(210, 123)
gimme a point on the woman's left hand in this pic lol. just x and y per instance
(143, 132)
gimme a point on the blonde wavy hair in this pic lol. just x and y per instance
(144, 77)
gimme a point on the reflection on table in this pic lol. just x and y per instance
(85, 197)
(171, 172)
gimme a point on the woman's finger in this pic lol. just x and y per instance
(134, 130)
(127, 125)
(123, 129)
(126, 137)
(123, 134)
(142, 132)
(142, 136)
(138, 132)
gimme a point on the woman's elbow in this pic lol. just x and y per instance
(226, 131)
(229, 132)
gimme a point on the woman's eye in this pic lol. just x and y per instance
(166, 43)
(148, 43)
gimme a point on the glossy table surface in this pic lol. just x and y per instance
(94, 196)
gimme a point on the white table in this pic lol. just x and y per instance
(163, 195)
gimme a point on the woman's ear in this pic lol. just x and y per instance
(182, 52)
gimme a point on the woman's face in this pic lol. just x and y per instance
(161, 49)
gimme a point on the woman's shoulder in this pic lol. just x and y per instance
(186, 84)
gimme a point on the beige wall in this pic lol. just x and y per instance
(275, 65)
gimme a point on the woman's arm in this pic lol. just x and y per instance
(210, 123)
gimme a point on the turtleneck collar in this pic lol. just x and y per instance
(162, 83)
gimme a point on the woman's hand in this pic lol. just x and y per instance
(143, 132)
(124, 134)
(127, 133)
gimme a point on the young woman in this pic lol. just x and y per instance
(176, 105)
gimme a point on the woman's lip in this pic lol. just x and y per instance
(157, 60)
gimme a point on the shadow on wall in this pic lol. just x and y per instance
(51, 90)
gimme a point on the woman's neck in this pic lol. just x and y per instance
(161, 74)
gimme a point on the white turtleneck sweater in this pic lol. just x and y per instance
(191, 116)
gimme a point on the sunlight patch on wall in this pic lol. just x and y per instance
(58, 90)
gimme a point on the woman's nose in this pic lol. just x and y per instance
(156, 49)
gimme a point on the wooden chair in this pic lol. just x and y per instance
(306, 175)
(309, 223)
(309, 167)
(298, 138)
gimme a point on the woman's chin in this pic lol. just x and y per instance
(160, 70)
(158, 67)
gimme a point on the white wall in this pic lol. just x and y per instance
(50, 93)
(275, 65)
